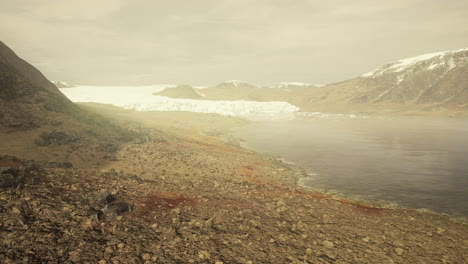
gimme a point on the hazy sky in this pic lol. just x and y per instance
(203, 42)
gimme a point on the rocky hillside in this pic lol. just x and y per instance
(25, 93)
(430, 82)
(39, 122)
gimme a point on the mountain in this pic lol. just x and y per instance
(234, 84)
(294, 85)
(25, 94)
(62, 84)
(181, 91)
(428, 82)
(39, 122)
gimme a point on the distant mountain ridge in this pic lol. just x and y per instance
(428, 82)
(59, 84)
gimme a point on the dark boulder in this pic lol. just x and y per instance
(10, 177)
(101, 199)
(113, 210)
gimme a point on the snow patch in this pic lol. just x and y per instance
(320, 115)
(297, 84)
(287, 84)
(235, 82)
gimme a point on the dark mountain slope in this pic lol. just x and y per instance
(39, 122)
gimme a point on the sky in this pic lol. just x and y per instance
(204, 42)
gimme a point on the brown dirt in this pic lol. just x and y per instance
(195, 199)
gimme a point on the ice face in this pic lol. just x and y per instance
(141, 99)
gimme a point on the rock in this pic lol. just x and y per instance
(365, 240)
(10, 177)
(308, 251)
(15, 211)
(204, 254)
(95, 214)
(398, 243)
(440, 230)
(102, 199)
(399, 251)
(113, 210)
(328, 244)
(146, 256)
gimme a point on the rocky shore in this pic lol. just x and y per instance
(193, 196)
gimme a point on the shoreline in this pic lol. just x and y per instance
(196, 197)
(354, 198)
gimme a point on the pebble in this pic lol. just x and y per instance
(203, 254)
(146, 256)
(328, 244)
(440, 230)
(398, 243)
(399, 251)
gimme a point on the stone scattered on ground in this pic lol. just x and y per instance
(197, 200)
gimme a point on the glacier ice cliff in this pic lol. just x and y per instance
(140, 98)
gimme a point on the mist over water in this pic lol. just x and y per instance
(416, 162)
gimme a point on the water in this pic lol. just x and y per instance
(416, 162)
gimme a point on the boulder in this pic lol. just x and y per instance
(10, 177)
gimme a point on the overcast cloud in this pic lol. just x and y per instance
(203, 42)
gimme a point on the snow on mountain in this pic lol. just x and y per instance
(141, 99)
(431, 81)
(288, 84)
(294, 84)
(236, 83)
(446, 59)
(59, 84)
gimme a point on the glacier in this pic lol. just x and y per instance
(141, 98)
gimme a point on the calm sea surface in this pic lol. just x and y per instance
(416, 162)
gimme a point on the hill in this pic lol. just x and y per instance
(181, 91)
(39, 122)
(26, 96)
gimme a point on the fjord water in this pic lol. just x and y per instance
(416, 162)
